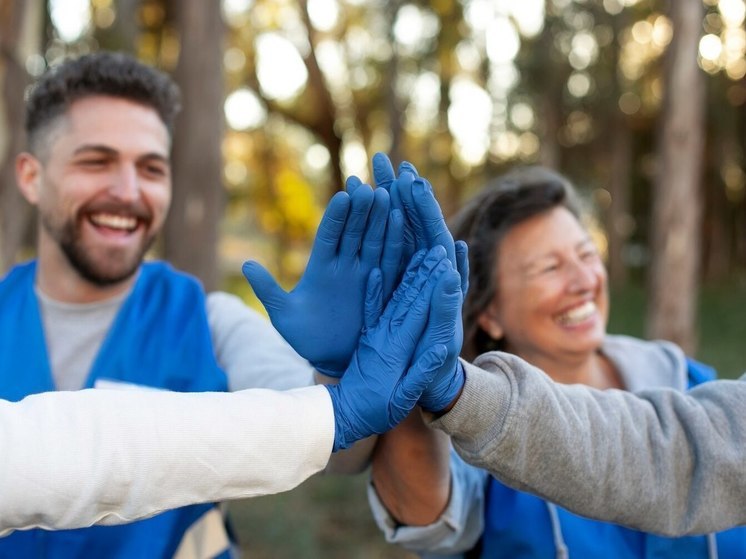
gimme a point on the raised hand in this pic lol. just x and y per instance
(422, 219)
(322, 317)
(381, 385)
(425, 227)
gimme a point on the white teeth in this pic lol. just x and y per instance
(578, 314)
(112, 221)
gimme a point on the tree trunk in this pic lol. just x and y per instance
(327, 113)
(123, 33)
(550, 79)
(15, 213)
(677, 195)
(393, 102)
(619, 218)
(192, 230)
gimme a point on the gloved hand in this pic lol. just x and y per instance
(322, 317)
(381, 386)
(449, 378)
(425, 227)
(422, 219)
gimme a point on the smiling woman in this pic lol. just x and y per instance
(538, 286)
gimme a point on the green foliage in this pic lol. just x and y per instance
(722, 328)
(325, 517)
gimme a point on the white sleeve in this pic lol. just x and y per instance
(72, 459)
(250, 351)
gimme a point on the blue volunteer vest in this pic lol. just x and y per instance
(159, 338)
(518, 525)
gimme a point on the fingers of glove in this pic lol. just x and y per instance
(405, 185)
(412, 322)
(445, 309)
(331, 228)
(431, 265)
(409, 274)
(271, 295)
(406, 166)
(415, 381)
(462, 265)
(352, 184)
(430, 218)
(373, 298)
(393, 250)
(445, 388)
(357, 219)
(375, 232)
(383, 171)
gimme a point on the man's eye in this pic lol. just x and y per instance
(155, 170)
(92, 162)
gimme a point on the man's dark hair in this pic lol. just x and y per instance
(103, 73)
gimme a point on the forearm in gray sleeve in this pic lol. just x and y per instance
(660, 461)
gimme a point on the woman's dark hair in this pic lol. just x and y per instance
(485, 220)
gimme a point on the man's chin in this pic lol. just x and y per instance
(106, 270)
(108, 277)
(105, 267)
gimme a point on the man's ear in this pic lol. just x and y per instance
(28, 176)
(490, 323)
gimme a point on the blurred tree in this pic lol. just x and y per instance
(116, 25)
(677, 197)
(191, 231)
(20, 26)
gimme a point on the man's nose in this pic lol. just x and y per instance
(126, 183)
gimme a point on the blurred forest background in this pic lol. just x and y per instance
(642, 103)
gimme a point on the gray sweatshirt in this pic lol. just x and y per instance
(658, 460)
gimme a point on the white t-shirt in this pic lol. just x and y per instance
(247, 347)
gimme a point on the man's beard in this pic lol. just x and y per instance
(88, 266)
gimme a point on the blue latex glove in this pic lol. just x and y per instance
(425, 227)
(422, 219)
(380, 388)
(322, 317)
(424, 224)
(449, 378)
(394, 257)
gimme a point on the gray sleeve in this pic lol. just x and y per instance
(459, 527)
(659, 460)
(250, 351)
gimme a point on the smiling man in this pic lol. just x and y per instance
(88, 312)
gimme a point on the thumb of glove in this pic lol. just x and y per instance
(417, 379)
(267, 290)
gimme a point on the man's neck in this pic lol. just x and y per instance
(66, 285)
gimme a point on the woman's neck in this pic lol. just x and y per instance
(593, 370)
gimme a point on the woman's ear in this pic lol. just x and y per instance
(490, 323)
(28, 176)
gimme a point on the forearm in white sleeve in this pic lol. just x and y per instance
(72, 459)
